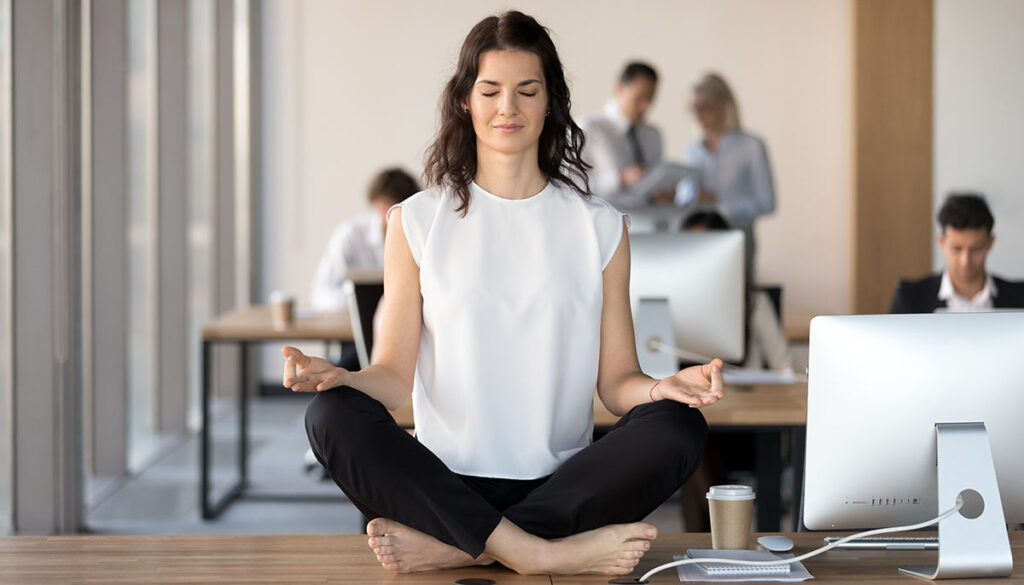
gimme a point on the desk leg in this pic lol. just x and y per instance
(211, 510)
(769, 479)
(204, 435)
(797, 447)
(243, 417)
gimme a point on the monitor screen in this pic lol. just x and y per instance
(878, 384)
(656, 218)
(701, 275)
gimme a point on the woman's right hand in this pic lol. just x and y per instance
(303, 373)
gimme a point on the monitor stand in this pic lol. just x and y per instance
(654, 322)
(973, 542)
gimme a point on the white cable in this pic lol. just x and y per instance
(813, 553)
(656, 344)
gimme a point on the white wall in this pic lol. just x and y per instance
(979, 129)
(353, 86)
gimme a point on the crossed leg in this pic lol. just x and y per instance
(558, 528)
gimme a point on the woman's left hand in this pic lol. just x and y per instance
(697, 386)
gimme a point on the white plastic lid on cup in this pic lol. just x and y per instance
(280, 296)
(731, 492)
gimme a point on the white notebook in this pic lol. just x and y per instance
(712, 568)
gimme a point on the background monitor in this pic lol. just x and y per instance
(877, 384)
(701, 274)
(656, 218)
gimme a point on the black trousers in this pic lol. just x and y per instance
(386, 472)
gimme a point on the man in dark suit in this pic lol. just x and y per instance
(965, 238)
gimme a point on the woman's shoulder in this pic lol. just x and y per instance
(426, 198)
(421, 205)
(602, 212)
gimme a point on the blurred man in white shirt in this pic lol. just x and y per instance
(358, 243)
(621, 146)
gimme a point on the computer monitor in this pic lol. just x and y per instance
(656, 218)
(878, 386)
(701, 276)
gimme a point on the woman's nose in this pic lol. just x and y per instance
(507, 104)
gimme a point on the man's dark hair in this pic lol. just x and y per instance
(965, 211)
(636, 69)
(711, 220)
(394, 184)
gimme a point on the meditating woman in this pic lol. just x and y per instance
(506, 305)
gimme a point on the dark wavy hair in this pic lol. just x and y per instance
(451, 160)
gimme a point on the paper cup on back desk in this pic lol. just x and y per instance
(282, 309)
(731, 508)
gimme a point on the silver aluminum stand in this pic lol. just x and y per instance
(974, 542)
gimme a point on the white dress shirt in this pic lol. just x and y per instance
(356, 244)
(958, 304)
(608, 150)
(738, 174)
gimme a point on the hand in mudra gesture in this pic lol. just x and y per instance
(697, 385)
(303, 373)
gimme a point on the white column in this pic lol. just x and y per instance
(47, 446)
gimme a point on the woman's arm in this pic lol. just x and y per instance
(620, 383)
(389, 379)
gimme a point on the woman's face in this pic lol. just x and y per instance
(509, 101)
(710, 114)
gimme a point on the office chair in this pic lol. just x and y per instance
(775, 294)
(363, 293)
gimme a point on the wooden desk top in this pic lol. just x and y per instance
(214, 559)
(835, 566)
(254, 324)
(346, 559)
(762, 405)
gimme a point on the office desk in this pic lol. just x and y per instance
(769, 411)
(836, 566)
(340, 559)
(244, 327)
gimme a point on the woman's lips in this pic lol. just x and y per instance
(508, 128)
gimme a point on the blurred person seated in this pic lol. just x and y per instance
(621, 146)
(965, 238)
(767, 346)
(357, 244)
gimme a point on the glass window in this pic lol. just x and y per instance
(5, 266)
(202, 184)
(142, 230)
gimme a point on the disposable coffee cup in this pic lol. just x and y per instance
(731, 508)
(282, 309)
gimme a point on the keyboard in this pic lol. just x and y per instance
(889, 542)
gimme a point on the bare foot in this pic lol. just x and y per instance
(406, 550)
(609, 550)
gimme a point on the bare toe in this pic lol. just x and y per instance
(376, 527)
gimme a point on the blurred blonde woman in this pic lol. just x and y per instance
(733, 175)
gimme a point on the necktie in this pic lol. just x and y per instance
(634, 143)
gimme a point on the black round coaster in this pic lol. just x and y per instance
(627, 581)
(475, 581)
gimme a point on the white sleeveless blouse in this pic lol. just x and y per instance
(508, 354)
